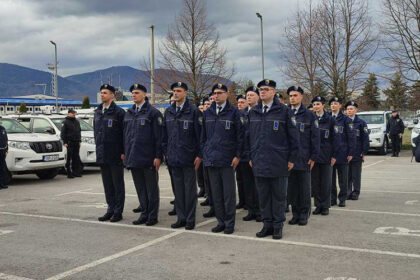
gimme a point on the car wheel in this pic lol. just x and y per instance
(47, 174)
(384, 148)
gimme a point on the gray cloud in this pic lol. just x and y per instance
(96, 34)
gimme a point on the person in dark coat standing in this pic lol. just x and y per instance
(322, 171)
(222, 143)
(242, 106)
(181, 146)
(299, 188)
(248, 178)
(395, 130)
(361, 133)
(71, 137)
(347, 142)
(4, 147)
(273, 149)
(143, 152)
(108, 125)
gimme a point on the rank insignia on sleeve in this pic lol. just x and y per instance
(366, 129)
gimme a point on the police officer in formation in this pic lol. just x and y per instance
(299, 187)
(273, 142)
(240, 180)
(3, 153)
(322, 171)
(181, 146)
(250, 190)
(222, 138)
(109, 139)
(143, 152)
(395, 130)
(346, 142)
(360, 129)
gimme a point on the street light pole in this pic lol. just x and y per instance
(55, 77)
(152, 65)
(262, 44)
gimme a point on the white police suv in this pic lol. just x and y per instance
(377, 121)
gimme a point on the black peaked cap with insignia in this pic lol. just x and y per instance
(219, 86)
(267, 82)
(108, 87)
(254, 89)
(139, 87)
(180, 85)
(294, 88)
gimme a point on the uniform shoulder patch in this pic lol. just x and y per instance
(366, 129)
(200, 120)
(242, 120)
(160, 121)
(351, 125)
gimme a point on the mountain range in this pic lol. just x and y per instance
(18, 80)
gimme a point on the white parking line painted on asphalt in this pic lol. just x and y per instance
(411, 202)
(113, 257)
(376, 212)
(3, 232)
(62, 194)
(239, 237)
(372, 164)
(4, 276)
(396, 192)
(129, 195)
(397, 231)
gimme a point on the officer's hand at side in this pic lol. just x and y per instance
(400, 135)
(333, 160)
(250, 163)
(363, 157)
(123, 157)
(156, 163)
(65, 145)
(290, 166)
(349, 158)
(197, 163)
(311, 163)
(235, 162)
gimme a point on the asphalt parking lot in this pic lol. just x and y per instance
(49, 230)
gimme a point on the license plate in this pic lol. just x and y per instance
(50, 158)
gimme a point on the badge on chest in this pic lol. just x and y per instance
(110, 123)
(302, 127)
(326, 134)
(185, 124)
(142, 122)
(227, 125)
(276, 125)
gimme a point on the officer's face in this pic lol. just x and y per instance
(335, 106)
(106, 95)
(267, 93)
(252, 98)
(220, 96)
(207, 104)
(138, 96)
(211, 99)
(394, 114)
(295, 98)
(242, 104)
(201, 108)
(351, 111)
(72, 115)
(179, 94)
(318, 107)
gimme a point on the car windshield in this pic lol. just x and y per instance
(84, 126)
(13, 126)
(372, 118)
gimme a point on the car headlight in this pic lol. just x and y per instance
(375, 130)
(88, 140)
(19, 145)
(416, 130)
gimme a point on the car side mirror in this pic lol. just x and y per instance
(50, 130)
(415, 121)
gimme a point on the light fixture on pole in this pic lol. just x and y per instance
(55, 77)
(262, 43)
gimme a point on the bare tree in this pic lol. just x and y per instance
(191, 51)
(299, 50)
(347, 44)
(402, 40)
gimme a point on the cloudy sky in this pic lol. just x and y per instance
(96, 34)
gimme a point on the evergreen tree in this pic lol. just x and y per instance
(397, 93)
(86, 103)
(370, 94)
(22, 108)
(414, 96)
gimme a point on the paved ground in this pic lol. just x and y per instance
(49, 230)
